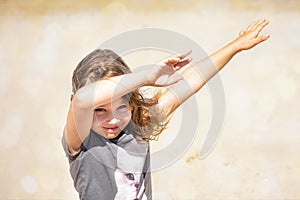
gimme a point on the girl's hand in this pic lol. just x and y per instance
(251, 36)
(164, 73)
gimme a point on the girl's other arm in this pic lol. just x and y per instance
(195, 76)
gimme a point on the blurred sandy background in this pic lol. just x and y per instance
(258, 155)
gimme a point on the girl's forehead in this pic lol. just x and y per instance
(119, 101)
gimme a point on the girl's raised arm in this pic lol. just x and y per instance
(87, 98)
(195, 76)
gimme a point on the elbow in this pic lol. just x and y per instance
(81, 100)
(164, 110)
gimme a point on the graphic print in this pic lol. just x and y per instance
(129, 176)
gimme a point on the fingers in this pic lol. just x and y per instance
(258, 28)
(257, 25)
(262, 38)
(172, 60)
(178, 61)
(253, 25)
(250, 27)
(259, 37)
(261, 25)
(255, 28)
(183, 55)
(182, 63)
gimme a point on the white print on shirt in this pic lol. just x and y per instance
(128, 176)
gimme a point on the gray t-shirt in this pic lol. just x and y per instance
(106, 169)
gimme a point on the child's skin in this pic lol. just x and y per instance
(99, 105)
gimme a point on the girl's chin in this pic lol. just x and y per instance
(108, 133)
(111, 134)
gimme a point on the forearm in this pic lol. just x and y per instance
(196, 76)
(104, 91)
(202, 71)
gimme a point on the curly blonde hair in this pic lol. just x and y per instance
(147, 122)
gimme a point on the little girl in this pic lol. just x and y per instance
(110, 123)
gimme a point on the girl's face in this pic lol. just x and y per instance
(110, 119)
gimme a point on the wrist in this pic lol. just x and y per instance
(150, 76)
(235, 46)
(145, 76)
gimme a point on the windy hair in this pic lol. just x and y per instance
(147, 121)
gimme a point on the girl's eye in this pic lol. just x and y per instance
(100, 110)
(123, 108)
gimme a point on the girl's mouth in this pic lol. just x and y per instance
(111, 129)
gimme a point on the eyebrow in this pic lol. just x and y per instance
(100, 106)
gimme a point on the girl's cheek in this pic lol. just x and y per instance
(128, 117)
(98, 119)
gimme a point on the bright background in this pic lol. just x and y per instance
(258, 155)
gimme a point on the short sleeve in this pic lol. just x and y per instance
(69, 155)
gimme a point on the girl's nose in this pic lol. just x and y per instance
(114, 120)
